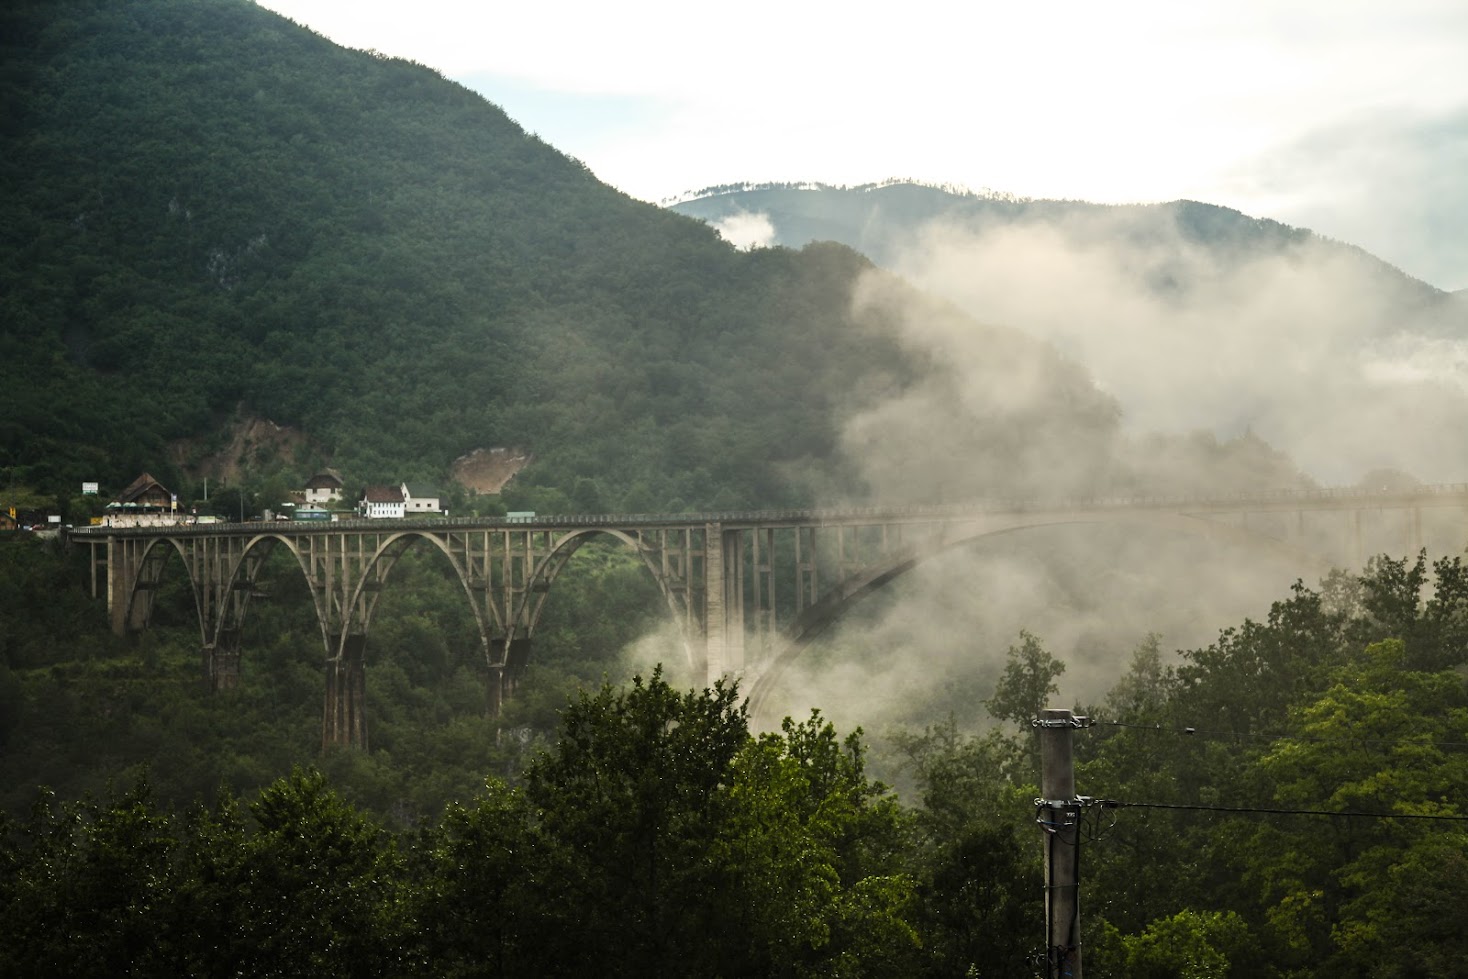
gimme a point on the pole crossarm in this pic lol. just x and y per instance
(748, 590)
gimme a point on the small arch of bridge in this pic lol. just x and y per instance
(153, 559)
(505, 573)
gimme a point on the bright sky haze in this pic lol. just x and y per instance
(1348, 117)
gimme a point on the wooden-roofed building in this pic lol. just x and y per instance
(143, 493)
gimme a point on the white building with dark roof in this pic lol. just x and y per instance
(381, 503)
(420, 498)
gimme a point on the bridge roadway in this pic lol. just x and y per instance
(748, 590)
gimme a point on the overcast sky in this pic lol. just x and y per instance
(1349, 117)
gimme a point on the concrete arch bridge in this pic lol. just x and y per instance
(748, 590)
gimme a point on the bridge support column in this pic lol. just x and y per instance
(517, 658)
(733, 548)
(494, 691)
(508, 659)
(345, 721)
(222, 662)
(120, 576)
(715, 624)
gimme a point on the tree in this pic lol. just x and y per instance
(631, 790)
(316, 890)
(1378, 740)
(678, 844)
(89, 893)
(978, 872)
(1188, 945)
(484, 890)
(851, 828)
(1144, 690)
(1029, 680)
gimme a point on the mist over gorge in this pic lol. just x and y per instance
(277, 231)
(1218, 354)
(1194, 318)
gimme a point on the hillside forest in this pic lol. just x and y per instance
(1283, 801)
(217, 222)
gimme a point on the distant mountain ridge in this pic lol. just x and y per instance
(875, 218)
(1195, 316)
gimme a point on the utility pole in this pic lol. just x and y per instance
(1058, 812)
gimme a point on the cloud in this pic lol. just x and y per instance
(1386, 179)
(934, 641)
(1218, 358)
(1122, 102)
(1418, 364)
(745, 230)
(1305, 345)
(1063, 100)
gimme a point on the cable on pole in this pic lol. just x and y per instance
(1116, 804)
(1279, 737)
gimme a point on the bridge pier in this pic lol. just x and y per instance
(508, 659)
(222, 662)
(715, 620)
(494, 691)
(345, 719)
(129, 588)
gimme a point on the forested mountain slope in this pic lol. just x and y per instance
(207, 206)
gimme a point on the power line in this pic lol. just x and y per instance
(1116, 804)
(1204, 732)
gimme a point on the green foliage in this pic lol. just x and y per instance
(320, 887)
(1028, 682)
(121, 887)
(1374, 741)
(977, 853)
(1189, 945)
(684, 840)
(90, 887)
(481, 901)
(630, 792)
(1303, 711)
(669, 839)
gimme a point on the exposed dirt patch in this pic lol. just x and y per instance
(488, 470)
(250, 443)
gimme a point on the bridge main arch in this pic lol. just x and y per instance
(763, 678)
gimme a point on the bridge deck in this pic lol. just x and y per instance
(1444, 495)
